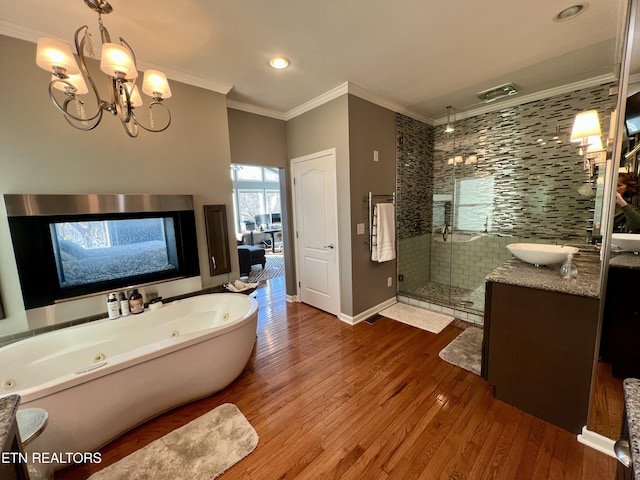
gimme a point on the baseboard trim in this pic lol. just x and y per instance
(597, 442)
(291, 298)
(367, 313)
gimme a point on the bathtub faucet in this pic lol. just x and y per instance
(486, 222)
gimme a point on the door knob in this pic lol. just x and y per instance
(331, 245)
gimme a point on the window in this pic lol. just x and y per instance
(247, 173)
(256, 191)
(474, 204)
(250, 203)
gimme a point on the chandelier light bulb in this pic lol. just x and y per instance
(155, 84)
(116, 61)
(76, 80)
(134, 95)
(55, 55)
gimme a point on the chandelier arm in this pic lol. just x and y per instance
(83, 67)
(122, 99)
(63, 107)
(84, 128)
(131, 127)
(154, 130)
(133, 54)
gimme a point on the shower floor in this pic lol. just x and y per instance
(448, 296)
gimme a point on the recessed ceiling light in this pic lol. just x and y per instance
(278, 62)
(570, 12)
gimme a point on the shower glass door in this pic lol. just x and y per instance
(471, 241)
(443, 227)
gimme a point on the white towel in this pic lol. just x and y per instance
(383, 246)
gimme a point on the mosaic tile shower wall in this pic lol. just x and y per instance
(414, 194)
(507, 176)
(523, 156)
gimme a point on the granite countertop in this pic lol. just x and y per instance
(625, 260)
(8, 409)
(517, 272)
(632, 405)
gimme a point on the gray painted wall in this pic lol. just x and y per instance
(371, 127)
(40, 153)
(322, 128)
(257, 140)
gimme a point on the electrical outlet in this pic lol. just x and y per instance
(375, 155)
(360, 229)
(389, 281)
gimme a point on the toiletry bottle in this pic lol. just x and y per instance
(569, 269)
(112, 307)
(136, 304)
(124, 305)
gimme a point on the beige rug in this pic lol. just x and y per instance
(202, 449)
(465, 351)
(417, 317)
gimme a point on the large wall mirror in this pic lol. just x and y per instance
(620, 277)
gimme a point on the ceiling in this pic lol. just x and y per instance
(420, 55)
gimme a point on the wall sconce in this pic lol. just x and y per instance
(586, 130)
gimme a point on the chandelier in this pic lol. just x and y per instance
(69, 81)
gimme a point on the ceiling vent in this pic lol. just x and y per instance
(498, 92)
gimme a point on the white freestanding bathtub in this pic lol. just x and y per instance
(100, 379)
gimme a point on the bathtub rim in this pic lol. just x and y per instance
(147, 352)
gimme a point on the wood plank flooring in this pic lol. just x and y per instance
(333, 401)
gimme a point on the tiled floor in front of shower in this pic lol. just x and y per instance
(459, 302)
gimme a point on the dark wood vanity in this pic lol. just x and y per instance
(621, 319)
(540, 339)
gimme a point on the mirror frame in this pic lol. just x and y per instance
(631, 17)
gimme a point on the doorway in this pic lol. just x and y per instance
(315, 209)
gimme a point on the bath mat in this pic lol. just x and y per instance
(417, 317)
(204, 448)
(465, 351)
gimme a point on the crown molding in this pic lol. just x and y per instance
(246, 107)
(365, 94)
(358, 91)
(519, 100)
(32, 36)
(319, 100)
(20, 32)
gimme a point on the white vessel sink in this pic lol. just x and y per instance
(629, 242)
(540, 253)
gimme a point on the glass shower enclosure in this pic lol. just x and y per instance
(505, 176)
(445, 220)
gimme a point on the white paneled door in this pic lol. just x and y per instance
(316, 230)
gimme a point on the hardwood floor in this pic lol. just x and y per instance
(607, 412)
(330, 400)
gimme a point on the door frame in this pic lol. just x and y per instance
(298, 251)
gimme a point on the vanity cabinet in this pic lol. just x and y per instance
(539, 350)
(621, 320)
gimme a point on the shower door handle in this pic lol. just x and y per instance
(445, 231)
(213, 260)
